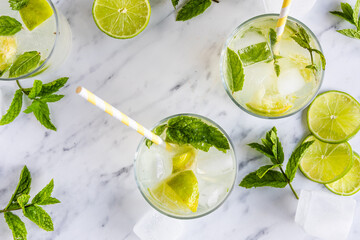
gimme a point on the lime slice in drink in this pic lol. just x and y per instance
(8, 48)
(179, 192)
(270, 104)
(121, 19)
(35, 13)
(184, 160)
(325, 162)
(334, 117)
(350, 183)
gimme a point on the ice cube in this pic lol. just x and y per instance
(156, 226)
(325, 215)
(214, 163)
(249, 37)
(299, 7)
(290, 81)
(211, 194)
(259, 52)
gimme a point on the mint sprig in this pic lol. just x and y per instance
(266, 175)
(40, 95)
(352, 16)
(18, 4)
(20, 201)
(24, 64)
(184, 130)
(191, 8)
(273, 40)
(9, 26)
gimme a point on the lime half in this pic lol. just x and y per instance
(121, 19)
(35, 13)
(179, 192)
(325, 162)
(334, 117)
(350, 183)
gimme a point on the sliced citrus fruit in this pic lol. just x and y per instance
(270, 104)
(325, 162)
(8, 48)
(179, 192)
(121, 19)
(35, 13)
(184, 160)
(334, 117)
(350, 183)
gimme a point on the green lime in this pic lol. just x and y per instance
(178, 192)
(324, 162)
(350, 183)
(184, 160)
(8, 48)
(35, 13)
(269, 104)
(334, 117)
(121, 19)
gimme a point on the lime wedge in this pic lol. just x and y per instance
(8, 48)
(350, 183)
(121, 19)
(334, 117)
(184, 160)
(270, 104)
(35, 13)
(179, 192)
(324, 162)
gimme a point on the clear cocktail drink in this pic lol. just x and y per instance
(267, 77)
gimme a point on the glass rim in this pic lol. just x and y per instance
(142, 141)
(29, 75)
(227, 88)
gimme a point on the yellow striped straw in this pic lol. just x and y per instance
(280, 26)
(89, 96)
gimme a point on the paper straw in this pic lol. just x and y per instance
(280, 26)
(89, 96)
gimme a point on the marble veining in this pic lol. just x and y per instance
(171, 67)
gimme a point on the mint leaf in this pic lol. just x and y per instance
(235, 71)
(190, 130)
(9, 26)
(14, 109)
(270, 179)
(322, 57)
(356, 14)
(23, 200)
(272, 37)
(18, 4)
(158, 131)
(52, 87)
(24, 64)
(38, 215)
(262, 149)
(294, 160)
(35, 90)
(16, 226)
(42, 113)
(192, 9)
(175, 3)
(352, 33)
(255, 53)
(44, 196)
(22, 188)
(264, 169)
(51, 98)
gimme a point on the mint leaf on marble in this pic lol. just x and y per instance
(18, 4)
(9, 26)
(14, 109)
(266, 175)
(20, 201)
(41, 112)
(35, 90)
(235, 71)
(352, 16)
(192, 8)
(16, 226)
(25, 63)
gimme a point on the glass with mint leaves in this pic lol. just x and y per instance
(194, 176)
(34, 37)
(271, 77)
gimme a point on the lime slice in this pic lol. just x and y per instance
(179, 192)
(121, 19)
(350, 183)
(184, 160)
(334, 117)
(8, 48)
(324, 162)
(35, 13)
(270, 104)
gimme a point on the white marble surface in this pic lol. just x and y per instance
(171, 67)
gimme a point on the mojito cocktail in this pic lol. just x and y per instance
(195, 175)
(268, 76)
